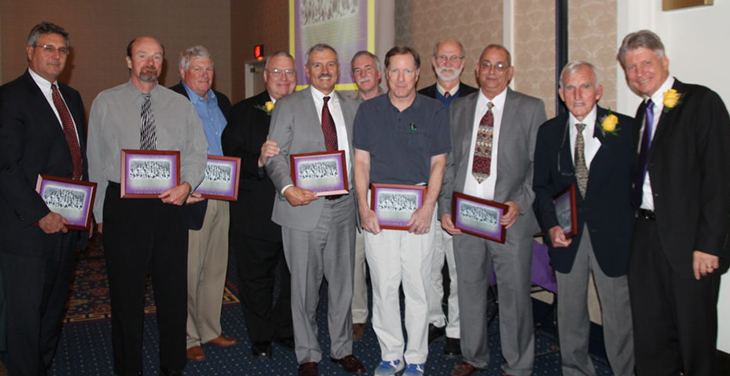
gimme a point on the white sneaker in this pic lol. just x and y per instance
(414, 370)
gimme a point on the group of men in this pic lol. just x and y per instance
(652, 205)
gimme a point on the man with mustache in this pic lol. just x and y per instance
(318, 233)
(448, 64)
(207, 219)
(367, 75)
(142, 234)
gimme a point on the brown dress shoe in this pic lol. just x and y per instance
(464, 369)
(350, 364)
(357, 331)
(223, 341)
(196, 354)
(308, 369)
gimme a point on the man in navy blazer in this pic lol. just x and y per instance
(590, 148)
(37, 136)
(682, 197)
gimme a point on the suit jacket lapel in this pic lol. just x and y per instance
(310, 112)
(467, 125)
(597, 167)
(42, 103)
(566, 156)
(664, 124)
(506, 130)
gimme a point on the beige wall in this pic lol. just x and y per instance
(100, 32)
(255, 22)
(422, 23)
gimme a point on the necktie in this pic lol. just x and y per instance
(483, 148)
(581, 170)
(69, 131)
(642, 165)
(447, 95)
(328, 127)
(148, 131)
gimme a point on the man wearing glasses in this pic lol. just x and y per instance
(493, 135)
(448, 64)
(42, 131)
(254, 238)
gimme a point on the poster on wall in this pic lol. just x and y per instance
(346, 25)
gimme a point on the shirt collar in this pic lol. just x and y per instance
(453, 90)
(134, 90)
(194, 97)
(319, 96)
(497, 101)
(658, 97)
(42, 83)
(589, 120)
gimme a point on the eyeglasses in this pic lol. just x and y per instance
(453, 59)
(500, 66)
(279, 72)
(50, 49)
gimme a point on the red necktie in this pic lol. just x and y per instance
(447, 95)
(483, 149)
(69, 131)
(328, 127)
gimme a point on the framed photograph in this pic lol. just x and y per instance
(324, 173)
(564, 203)
(394, 204)
(479, 217)
(147, 173)
(221, 178)
(72, 199)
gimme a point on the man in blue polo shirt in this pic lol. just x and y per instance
(401, 138)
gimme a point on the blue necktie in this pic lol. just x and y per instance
(642, 166)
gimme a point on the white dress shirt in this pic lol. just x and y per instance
(647, 201)
(590, 142)
(471, 186)
(45, 87)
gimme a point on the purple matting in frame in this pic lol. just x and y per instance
(147, 173)
(394, 204)
(221, 178)
(479, 217)
(324, 173)
(72, 199)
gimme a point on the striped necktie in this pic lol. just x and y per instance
(148, 131)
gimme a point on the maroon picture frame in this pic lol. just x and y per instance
(79, 218)
(132, 188)
(395, 219)
(229, 192)
(488, 227)
(324, 186)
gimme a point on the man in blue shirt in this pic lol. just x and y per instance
(207, 241)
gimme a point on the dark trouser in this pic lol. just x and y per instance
(257, 261)
(675, 318)
(141, 235)
(36, 288)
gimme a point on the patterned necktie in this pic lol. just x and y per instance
(69, 131)
(483, 148)
(642, 165)
(328, 127)
(148, 131)
(581, 170)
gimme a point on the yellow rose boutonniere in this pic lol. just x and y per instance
(609, 124)
(671, 99)
(268, 107)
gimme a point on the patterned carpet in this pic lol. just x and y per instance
(85, 347)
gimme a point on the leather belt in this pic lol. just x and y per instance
(646, 214)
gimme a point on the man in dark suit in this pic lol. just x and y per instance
(600, 144)
(682, 197)
(207, 241)
(254, 238)
(493, 134)
(42, 131)
(318, 233)
(448, 64)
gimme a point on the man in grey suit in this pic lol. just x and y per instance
(501, 125)
(318, 233)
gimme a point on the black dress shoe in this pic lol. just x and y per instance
(286, 342)
(435, 333)
(452, 349)
(308, 369)
(350, 364)
(168, 372)
(261, 350)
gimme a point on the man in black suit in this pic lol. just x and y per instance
(254, 238)
(207, 219)
(448, 64)
(682, 197)
(42, 131)
(590, 148)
